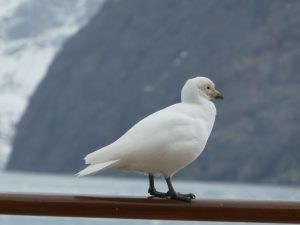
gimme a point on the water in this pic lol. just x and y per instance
(45, 183)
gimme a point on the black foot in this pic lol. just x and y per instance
(154, 193)
(181, 197)
(189, 195)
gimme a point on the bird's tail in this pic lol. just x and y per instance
(95, 168)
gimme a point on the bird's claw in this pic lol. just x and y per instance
(189, 195)
(181, 197)
(154, 193)
(171, 195)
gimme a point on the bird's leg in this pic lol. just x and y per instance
(176, 195)
(152, 191)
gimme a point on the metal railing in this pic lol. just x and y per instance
(143, 208)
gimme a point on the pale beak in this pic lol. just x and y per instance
(217, 95)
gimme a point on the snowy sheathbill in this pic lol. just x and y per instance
(165, 141)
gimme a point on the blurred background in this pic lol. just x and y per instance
(76, 74)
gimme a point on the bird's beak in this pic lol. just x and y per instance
(217, 95)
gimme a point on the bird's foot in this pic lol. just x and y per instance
(181, 197)
(154, 193)
(189, 195)
(172, 195)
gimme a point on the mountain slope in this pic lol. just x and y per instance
(31, 34)
(133, 58)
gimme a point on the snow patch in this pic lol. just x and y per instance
(182, 55)
(32, 32)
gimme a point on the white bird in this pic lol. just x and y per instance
(165, 141)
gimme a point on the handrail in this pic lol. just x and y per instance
(143, 208)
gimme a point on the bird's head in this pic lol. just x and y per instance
(199, 87)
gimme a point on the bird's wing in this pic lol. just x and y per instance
(148, 138)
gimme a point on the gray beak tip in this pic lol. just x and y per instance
(219, 96)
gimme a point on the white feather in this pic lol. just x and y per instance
(95, 168)
(165, 141)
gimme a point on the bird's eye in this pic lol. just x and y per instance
(208, 87)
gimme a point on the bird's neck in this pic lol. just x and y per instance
(196, 99)
(190, 94)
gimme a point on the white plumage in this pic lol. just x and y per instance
(165, 141)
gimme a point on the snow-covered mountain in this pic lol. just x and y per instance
(31, 34)
(132, 59)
